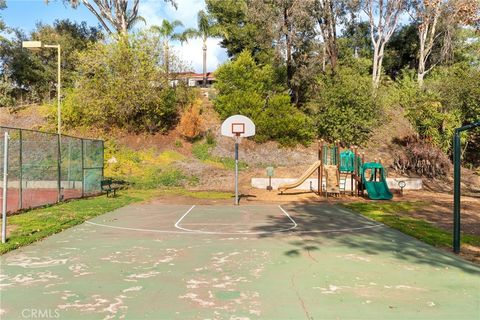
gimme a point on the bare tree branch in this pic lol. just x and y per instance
(113, 14)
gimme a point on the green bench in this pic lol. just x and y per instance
(108, 187)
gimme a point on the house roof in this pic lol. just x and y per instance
(192, 75)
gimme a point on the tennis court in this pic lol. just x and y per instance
(293, 261)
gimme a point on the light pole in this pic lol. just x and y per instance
(37, 46)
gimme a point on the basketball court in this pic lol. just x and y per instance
(265, 261)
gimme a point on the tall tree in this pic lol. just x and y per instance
(3, 5)
(3, 27)
(6, 88)
(428, 15)
(383, 17)
(277, 32)
(239, 32)
(35, 72)
(289, 28)
(115, 15)
(326, 16)
(206, 28)
(167, 33)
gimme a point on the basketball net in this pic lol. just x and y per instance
(238, 138)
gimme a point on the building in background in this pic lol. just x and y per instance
(191, 79)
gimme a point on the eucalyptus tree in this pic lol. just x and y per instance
(435, 19)
(383, 17)
(325, 12)
(3, 5)
(114, 15)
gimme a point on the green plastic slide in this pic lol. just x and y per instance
(376, 184)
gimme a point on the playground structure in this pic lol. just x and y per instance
(335, 169)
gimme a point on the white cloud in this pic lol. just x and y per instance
(192, 54)
(154, 11)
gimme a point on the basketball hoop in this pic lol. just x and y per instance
(237, 127)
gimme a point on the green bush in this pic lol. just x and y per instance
(119, 84)
(431, 117)
(156, 177)
(249, 89)
(6, 99)
(344, 107)
(202, 151)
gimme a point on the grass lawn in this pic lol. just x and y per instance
(36, 224)
(395, 215)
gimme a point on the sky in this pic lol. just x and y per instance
(24, 14)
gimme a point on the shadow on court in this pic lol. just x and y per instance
(320, 222)
(298, 261)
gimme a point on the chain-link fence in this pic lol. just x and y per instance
(44, 168)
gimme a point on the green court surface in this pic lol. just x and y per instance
(302, 261)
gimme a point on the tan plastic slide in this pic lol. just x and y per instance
(332, 177)
(304, 177)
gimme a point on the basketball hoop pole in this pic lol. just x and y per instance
(237, 127)
(236, 169)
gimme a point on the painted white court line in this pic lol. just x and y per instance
(184, 215)
(193, 231)
(177, 225)
(135, 229)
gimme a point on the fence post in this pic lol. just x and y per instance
(457, 190)
(83, 170)
(5, 188)
(103, 159)
(59, 167)
(20, 160)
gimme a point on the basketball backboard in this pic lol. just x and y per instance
(238, 126)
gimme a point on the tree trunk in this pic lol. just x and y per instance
(421, 64)
(204, 63)
(375, 66)
(324, 57)
(327, 22)
(378, 52)
(426, 35)
(167, 58)
(288, 44)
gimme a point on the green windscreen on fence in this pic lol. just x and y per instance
(93, 165)
(44, 168)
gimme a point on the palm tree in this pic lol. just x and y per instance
(167, 33)
(205, 29)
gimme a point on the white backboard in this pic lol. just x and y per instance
(238, 125)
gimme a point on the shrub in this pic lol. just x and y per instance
(6, 99)
(178, 144)
(143, 168)
(119, 84)
(202, 151)
(251, 90)
(434, 121)
(459, 94)
(191, 124)
(344, 106)
(420, 157)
